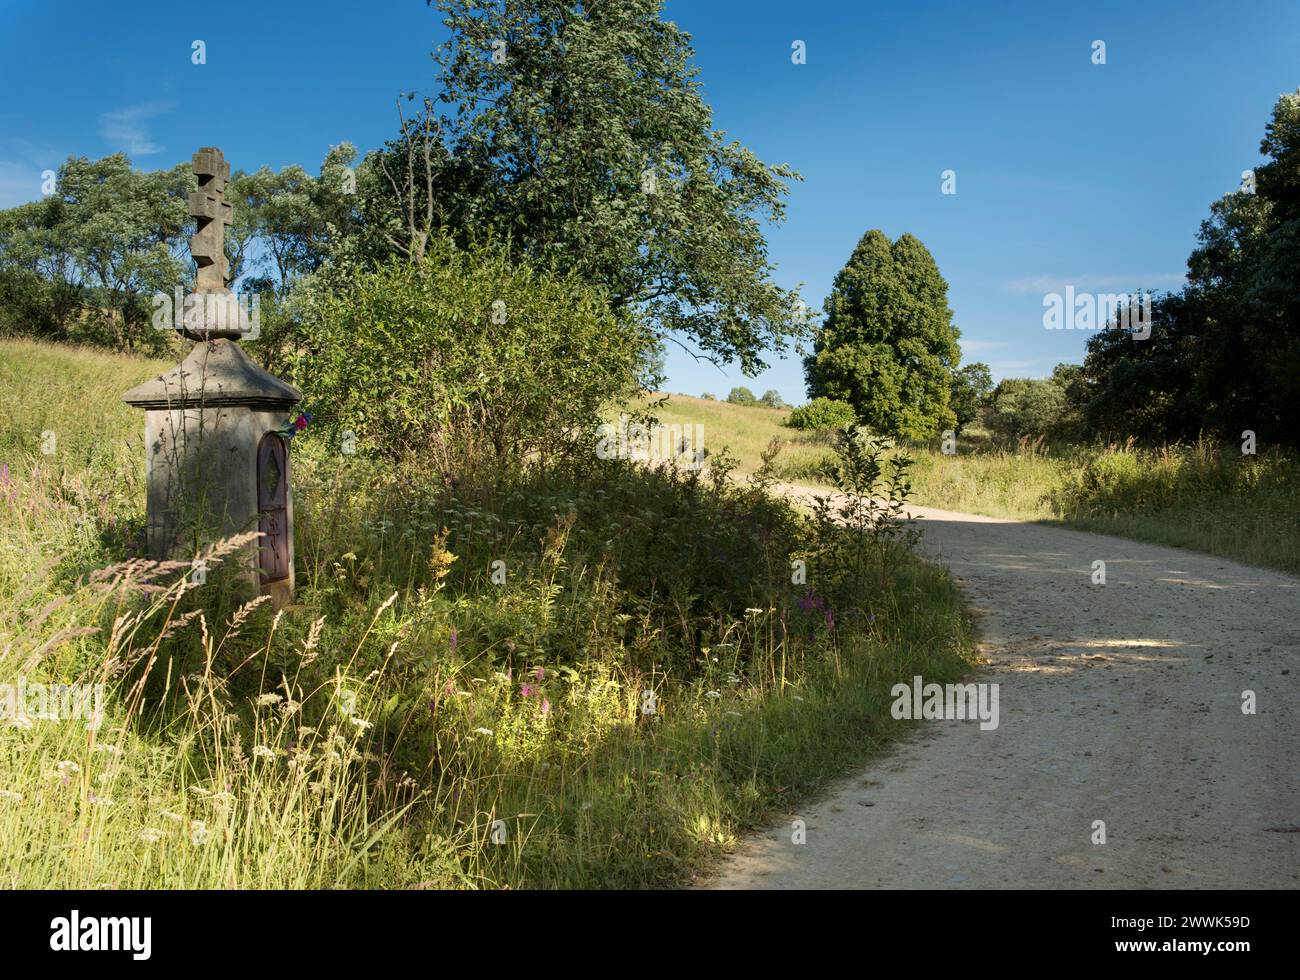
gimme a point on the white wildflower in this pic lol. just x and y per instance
(198, 833)
(151, 835)
(8, 794)
(67, 768)
(263, 752)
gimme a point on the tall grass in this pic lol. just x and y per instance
(1201, 496)
(642, 687)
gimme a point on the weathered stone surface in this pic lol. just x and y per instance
(216, 372)
(216, 465)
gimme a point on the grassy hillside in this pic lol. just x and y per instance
(644, 686)
(1203, 497)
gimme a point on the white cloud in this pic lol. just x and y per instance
(1094, 281)
(128, 129)
(975, 346)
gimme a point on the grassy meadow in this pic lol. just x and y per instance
(1199, 496)
(639, 687)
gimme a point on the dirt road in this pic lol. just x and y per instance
(1119, 703)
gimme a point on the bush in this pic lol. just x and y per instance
(822, 413)
(470, 357)
(742, 396)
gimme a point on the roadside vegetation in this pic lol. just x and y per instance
(1199, 495)
(641, 684)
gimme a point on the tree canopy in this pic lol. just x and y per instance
(579, 131)
(888, 346)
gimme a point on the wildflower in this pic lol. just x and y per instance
(264, 700)
(484, 731)
(222, 800)
(108, 749)
(753, 612)
(200, 791)
(8, 794)
(362, 724)
(172, 817)
(539, 673)
(712, 695)
(151, 835)
(68, 768)
(100, 800)
(546, 706)
(198, 833)
(527, 690)
(263, 752)
(290, 707)
(453, 640)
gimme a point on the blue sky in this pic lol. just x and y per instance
(1068, 173)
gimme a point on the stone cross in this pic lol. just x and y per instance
(208, 205)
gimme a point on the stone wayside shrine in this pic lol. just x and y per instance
(217, 465)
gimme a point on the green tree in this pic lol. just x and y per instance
(1033, 407)
(971, 387)
(91, 255)
(741, 396)
(772, 399)
(578, 131)
(888, 346)
(470, 358)
(292, 215)
(1224, 352)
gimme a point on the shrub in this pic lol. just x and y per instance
(742, 396)
(470, 357)
(822, 413)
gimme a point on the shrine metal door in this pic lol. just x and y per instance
(272, 495)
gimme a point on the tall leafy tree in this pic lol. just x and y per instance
(971, 387)
(888, 346)
(1224, 353)
(107, 239)
(291, 216)
(578, 130)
